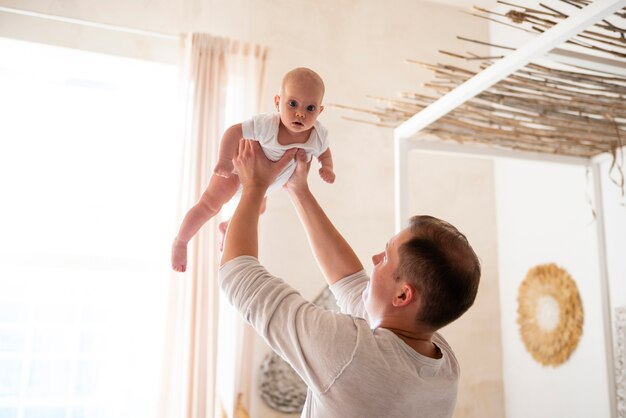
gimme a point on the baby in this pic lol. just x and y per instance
(293, 126)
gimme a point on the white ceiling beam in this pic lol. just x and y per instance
(591, 62)
(605, 288)
(539, 46)
(606, 156)
(490, 151)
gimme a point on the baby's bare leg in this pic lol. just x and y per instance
(219, 191)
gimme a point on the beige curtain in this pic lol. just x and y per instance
(212, 70)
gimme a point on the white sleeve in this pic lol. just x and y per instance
(262, 127)
(247, 128)
(322, 137)
(316, 342)
(349, 294)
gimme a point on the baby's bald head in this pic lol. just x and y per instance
(306, 78)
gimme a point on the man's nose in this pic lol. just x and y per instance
(299, 114)
(375, 258)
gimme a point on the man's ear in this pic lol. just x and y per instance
(406, 295)
(277, 102)
(321, 109)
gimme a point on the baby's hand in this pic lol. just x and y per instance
(179, 255)
(327, 174)
(224, 168)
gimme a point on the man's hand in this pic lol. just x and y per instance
(254, 169)
(298, 180)
(256, 173)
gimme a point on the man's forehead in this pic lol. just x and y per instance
(400, 238)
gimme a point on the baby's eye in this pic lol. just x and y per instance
(311, 108)
(292, 103)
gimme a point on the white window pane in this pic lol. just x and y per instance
(89, 166)
(44, 413)
(87, 413)
(89, 341)
(8, 412)
(11, 312)
(91, 152)
(52, 312)
(48, 377)
(51, 341)
(10, 372)
(87, 378)
(12, 340)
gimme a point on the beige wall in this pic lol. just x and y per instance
(359, 48)
(462, 191)
(538, 226)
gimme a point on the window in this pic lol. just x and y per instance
(89, 171)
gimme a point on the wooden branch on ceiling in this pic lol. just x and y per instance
(539, 24)
(541, 108)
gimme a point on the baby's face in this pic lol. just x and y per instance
(299, 106)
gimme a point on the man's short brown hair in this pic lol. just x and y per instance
(439, 261)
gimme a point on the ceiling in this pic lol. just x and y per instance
(466, 4)
(541, 107)
(492, 4)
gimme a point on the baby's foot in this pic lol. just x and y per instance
(222, 227)
(327, 174)
(179, 255)
(224, 167)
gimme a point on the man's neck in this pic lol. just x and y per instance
(425, 348)
(418, 340)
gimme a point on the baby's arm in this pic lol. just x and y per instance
(326, 171)
(228, 145)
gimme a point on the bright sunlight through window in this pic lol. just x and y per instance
(89, 171)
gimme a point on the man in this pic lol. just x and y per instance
(382, 356)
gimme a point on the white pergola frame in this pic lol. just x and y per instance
(543, 46)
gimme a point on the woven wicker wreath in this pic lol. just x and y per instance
(550, 314)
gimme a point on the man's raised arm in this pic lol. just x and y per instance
(256, 173)
(333, 253)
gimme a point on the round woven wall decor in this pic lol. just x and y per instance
(549, 314)
(281, 387)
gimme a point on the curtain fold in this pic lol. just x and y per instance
(213, 96)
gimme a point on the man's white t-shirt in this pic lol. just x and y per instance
(350, 369)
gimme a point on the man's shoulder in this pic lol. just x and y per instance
(349, 282)
(446, 349)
